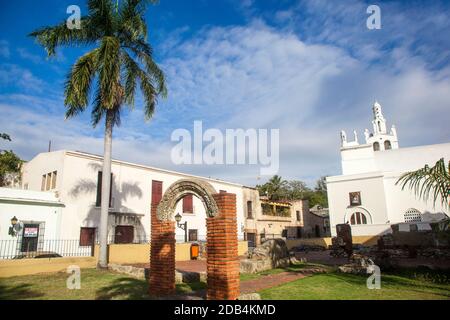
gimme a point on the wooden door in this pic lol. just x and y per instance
(124, 234)
(30, 237)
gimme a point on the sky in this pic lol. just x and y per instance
(307, 68)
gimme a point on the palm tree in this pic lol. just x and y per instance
(119, 59)
(428, 181)
(276, 188)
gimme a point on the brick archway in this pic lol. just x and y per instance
(222, 252)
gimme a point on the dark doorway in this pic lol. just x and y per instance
(30, 237)
(251, 238)
(124, 234)
(317, 231)
(299, 232)
(193, 235)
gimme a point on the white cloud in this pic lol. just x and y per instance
(22, 78)
(25, 54)
(255, 76)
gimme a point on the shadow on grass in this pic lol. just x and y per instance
(394, 282)
(18, 292)
(124, 288)
(136, 289)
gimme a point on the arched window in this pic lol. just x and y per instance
(379, 126)
(412, 215)
(358, 218)
(376, 146)
(387, 145)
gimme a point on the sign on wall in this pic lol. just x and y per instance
(355, 198)
(30, 232)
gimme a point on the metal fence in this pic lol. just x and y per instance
(21, 248)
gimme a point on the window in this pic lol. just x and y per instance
(249, 210)
(87, 236)
(43, 183)
(193, 235)
(358, 218)
(222, 191)
(54, 179)
(376, 146)
(298, 215)
(413, 215)
(48, 181)
(98, 200)
(156, 191)
(187, 204)
(387, 145)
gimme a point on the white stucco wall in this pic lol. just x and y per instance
(30, 207)
(131, 193)
(385, 201)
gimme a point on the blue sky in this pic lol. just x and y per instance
(309, 68)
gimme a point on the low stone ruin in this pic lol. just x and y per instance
(358, 264)
(270, 254)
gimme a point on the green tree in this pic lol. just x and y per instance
(429, 181)
(5, 136)
(274, 189)
(119, 60)
(10, 165)
(296, 189)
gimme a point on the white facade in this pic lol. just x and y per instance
(33, 207)
(75, 185)
(369, 175)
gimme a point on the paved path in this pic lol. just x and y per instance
(271, 280)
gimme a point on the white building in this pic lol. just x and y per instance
(71, 179)
(366, 194)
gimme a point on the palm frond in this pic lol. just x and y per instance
(109, 72)
(429, 182)
(78, 83)
(60, 35)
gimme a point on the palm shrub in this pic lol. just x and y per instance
(429, 182)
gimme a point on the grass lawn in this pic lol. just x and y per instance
(95, 285)
(292, 268)
(338, 286)
(98, 284)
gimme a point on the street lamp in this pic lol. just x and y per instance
(14, 227)
(182, 226)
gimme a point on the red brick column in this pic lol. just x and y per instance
(162, 256)
(222, 250)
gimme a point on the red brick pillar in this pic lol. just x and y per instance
(222, 250)
(162, 256)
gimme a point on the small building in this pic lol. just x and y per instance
(40, 214)
(317, 223)
(366, 195)
(267, 219)
(61, 192)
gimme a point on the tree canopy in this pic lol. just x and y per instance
(278, 189)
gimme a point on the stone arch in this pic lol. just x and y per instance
(179, 189)
(221, 244)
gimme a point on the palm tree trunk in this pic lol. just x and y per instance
(106, 182)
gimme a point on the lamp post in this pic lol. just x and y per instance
(182, 226)
(13, 229)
